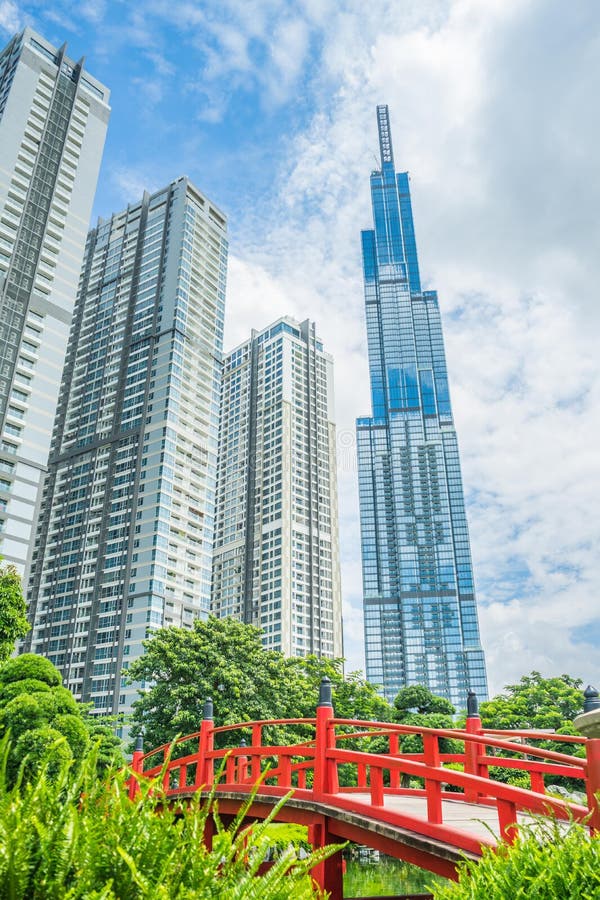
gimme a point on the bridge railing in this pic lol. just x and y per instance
(357, 765)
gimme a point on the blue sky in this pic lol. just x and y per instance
(270, 107)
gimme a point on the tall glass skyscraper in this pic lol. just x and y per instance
(53, 119)
(125, 534)
(419, 603)
(276, 561)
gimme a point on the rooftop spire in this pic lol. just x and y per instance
(385, 138)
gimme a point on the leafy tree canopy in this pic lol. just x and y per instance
(353, 696)
(416, 698)
(27, 666)
(535, 702)
(13, 621)
(224, 659)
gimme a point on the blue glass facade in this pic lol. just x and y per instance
(419, 603)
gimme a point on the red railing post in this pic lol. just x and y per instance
(255, 760)
(242, 766)
(473, 750)
(433, 788)
(394, 746)
(324, 740)
(376, 778)
(328, 874)
(204, 766)
(536, 782)
(137, 766)
(507, 820)
(285, 770)
(592, 781)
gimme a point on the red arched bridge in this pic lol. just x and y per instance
(353, 780)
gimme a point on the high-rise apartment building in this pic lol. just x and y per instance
(276, 559)
(53, 119)
(419, 602)
(125, 534)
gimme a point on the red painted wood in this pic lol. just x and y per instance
(376, 775)
(593, 781)
(507, 817)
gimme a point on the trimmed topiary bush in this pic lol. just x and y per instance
(40, 749)
(28, 665)
(37, 711)
(26, 686)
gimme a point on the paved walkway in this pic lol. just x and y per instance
(479, 821)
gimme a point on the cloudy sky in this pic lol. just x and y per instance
(270, 108)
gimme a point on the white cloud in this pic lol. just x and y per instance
(130, 184)
(10, 16)
(490, 111)
(492, 106)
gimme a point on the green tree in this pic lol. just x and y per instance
(535, 702)
(13, 621)
(416, 698)
(219, 658)
(353, 697)
(416, 705)
(224, 659)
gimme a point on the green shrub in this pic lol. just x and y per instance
(39, 749)
(32, 699)
(27, 686)
(75, 836)
(548, 861)
(73, 729)
(29, 665)
(22, 714)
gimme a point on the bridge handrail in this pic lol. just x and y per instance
(522, 797)
(381, 729)
(263, 722)
(539, 735)
(220, 729)
(465, 737)
(164, 748)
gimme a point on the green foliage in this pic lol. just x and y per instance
(224, 659)
(416, 705)
(72, 728)
(39, 712)
(219, 658)
(75, 836)
(43, 747)
(13, 621)
(535, 702)
(416, 698)
(109, 750)
(353, 696)
(545, 863)
(23, 713)
(26, 686)
(29, 665)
